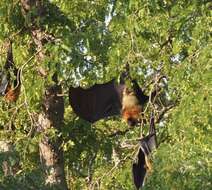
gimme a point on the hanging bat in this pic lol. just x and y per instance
(8, 88)
(108, 99)
(142, 165)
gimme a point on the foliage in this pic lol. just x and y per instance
(93, 42)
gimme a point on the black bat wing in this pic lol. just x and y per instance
(5, 74)
(97, 102)
(147, 145)
(139, 93)
(3, 83)
(139, 169)
(149, 142)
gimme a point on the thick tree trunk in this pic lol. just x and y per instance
(51, 152)
(7, 153)
(5, 150)
(51, 119)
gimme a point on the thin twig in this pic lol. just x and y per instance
(120, 132)
(30, 59)
(110, 172)
(163, 112)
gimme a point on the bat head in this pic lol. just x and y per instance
(131, 109)
(132, 115)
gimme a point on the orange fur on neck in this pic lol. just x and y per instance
(131, 112)
(13, 94)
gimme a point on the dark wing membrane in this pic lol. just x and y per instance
(5, 73)
(3, 83)
(139, 169)
(139, 93)
(147, 145)
(97, 102)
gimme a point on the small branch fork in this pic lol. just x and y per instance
(97, 183)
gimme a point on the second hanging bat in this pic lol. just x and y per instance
(9, 88)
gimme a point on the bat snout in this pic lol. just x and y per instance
(132, 122)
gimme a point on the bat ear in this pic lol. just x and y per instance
(125, 75)
(126, 91)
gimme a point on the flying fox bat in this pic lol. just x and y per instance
(108, 99)
(10, 89)
(142, 165)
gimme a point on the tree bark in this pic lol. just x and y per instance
(7, 153)
(51, 152)
(51, 119)
(6, 148)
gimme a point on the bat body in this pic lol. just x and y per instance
(108, 99)
(97, 102)
(142, 165)
(139, 170)
(10, 90)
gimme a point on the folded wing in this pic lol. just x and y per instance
(99, 101)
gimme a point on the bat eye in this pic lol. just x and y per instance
(131, 122)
